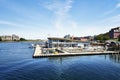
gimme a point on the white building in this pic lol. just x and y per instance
(15, 37)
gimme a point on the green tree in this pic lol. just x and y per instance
(119, 38)
(102, 37)
(106, 38)
(23, 39)
(0, 39)
(99, 37)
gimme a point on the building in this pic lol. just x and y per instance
(83, 39)
(75, 38)
(2, 38)
(90, 38)
(15, 37)
(114, 33)
(8, 38)
(54, 42)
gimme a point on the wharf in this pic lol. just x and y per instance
(38, 53)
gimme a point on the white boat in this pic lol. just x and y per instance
(32, 46)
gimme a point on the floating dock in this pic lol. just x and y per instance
(38, 53)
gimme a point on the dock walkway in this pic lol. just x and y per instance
(38, 53)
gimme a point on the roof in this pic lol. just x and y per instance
(65, 39)
(115, 28)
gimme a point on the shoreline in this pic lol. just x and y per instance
(22, 41)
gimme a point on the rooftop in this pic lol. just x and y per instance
(65, 39)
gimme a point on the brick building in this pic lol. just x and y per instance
(114, 32)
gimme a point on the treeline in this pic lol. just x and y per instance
(21, 39)
(0, 39)
(102, 37)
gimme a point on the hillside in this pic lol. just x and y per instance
(102, 37)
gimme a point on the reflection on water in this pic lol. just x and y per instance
(16, 63)
(115, 57)
(112, 57)
(98, 67)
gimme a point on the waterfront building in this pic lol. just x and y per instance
(2, 38)
(8, 38)
(83, 39)
(15, 37)
(114, 32)
(62, 42)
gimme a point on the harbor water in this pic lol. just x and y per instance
(16, 63)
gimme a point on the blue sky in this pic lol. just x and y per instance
(39, 19)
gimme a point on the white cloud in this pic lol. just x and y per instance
(11, 23)
(20, 9)
(108, 23)
(58, 7)
(114, 20)
(118, 5)
(62, 18)
(5, 22)
(29, 31)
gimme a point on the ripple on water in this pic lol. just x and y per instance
(19, 65)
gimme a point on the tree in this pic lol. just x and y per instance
(106, 38)
(99, 37)
(23, 39)
(0, 39)
(102, 37)
(119, 38)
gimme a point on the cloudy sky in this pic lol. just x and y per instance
(39, 19)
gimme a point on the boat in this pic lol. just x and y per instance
(32, 46)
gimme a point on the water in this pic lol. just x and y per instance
(16, 63)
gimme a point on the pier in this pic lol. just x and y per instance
(38, 53)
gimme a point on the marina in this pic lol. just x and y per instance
(60, 40)
(38, 53)
(56, 47)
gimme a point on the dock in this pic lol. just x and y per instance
(38, 53)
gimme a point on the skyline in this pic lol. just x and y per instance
(38, 19)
